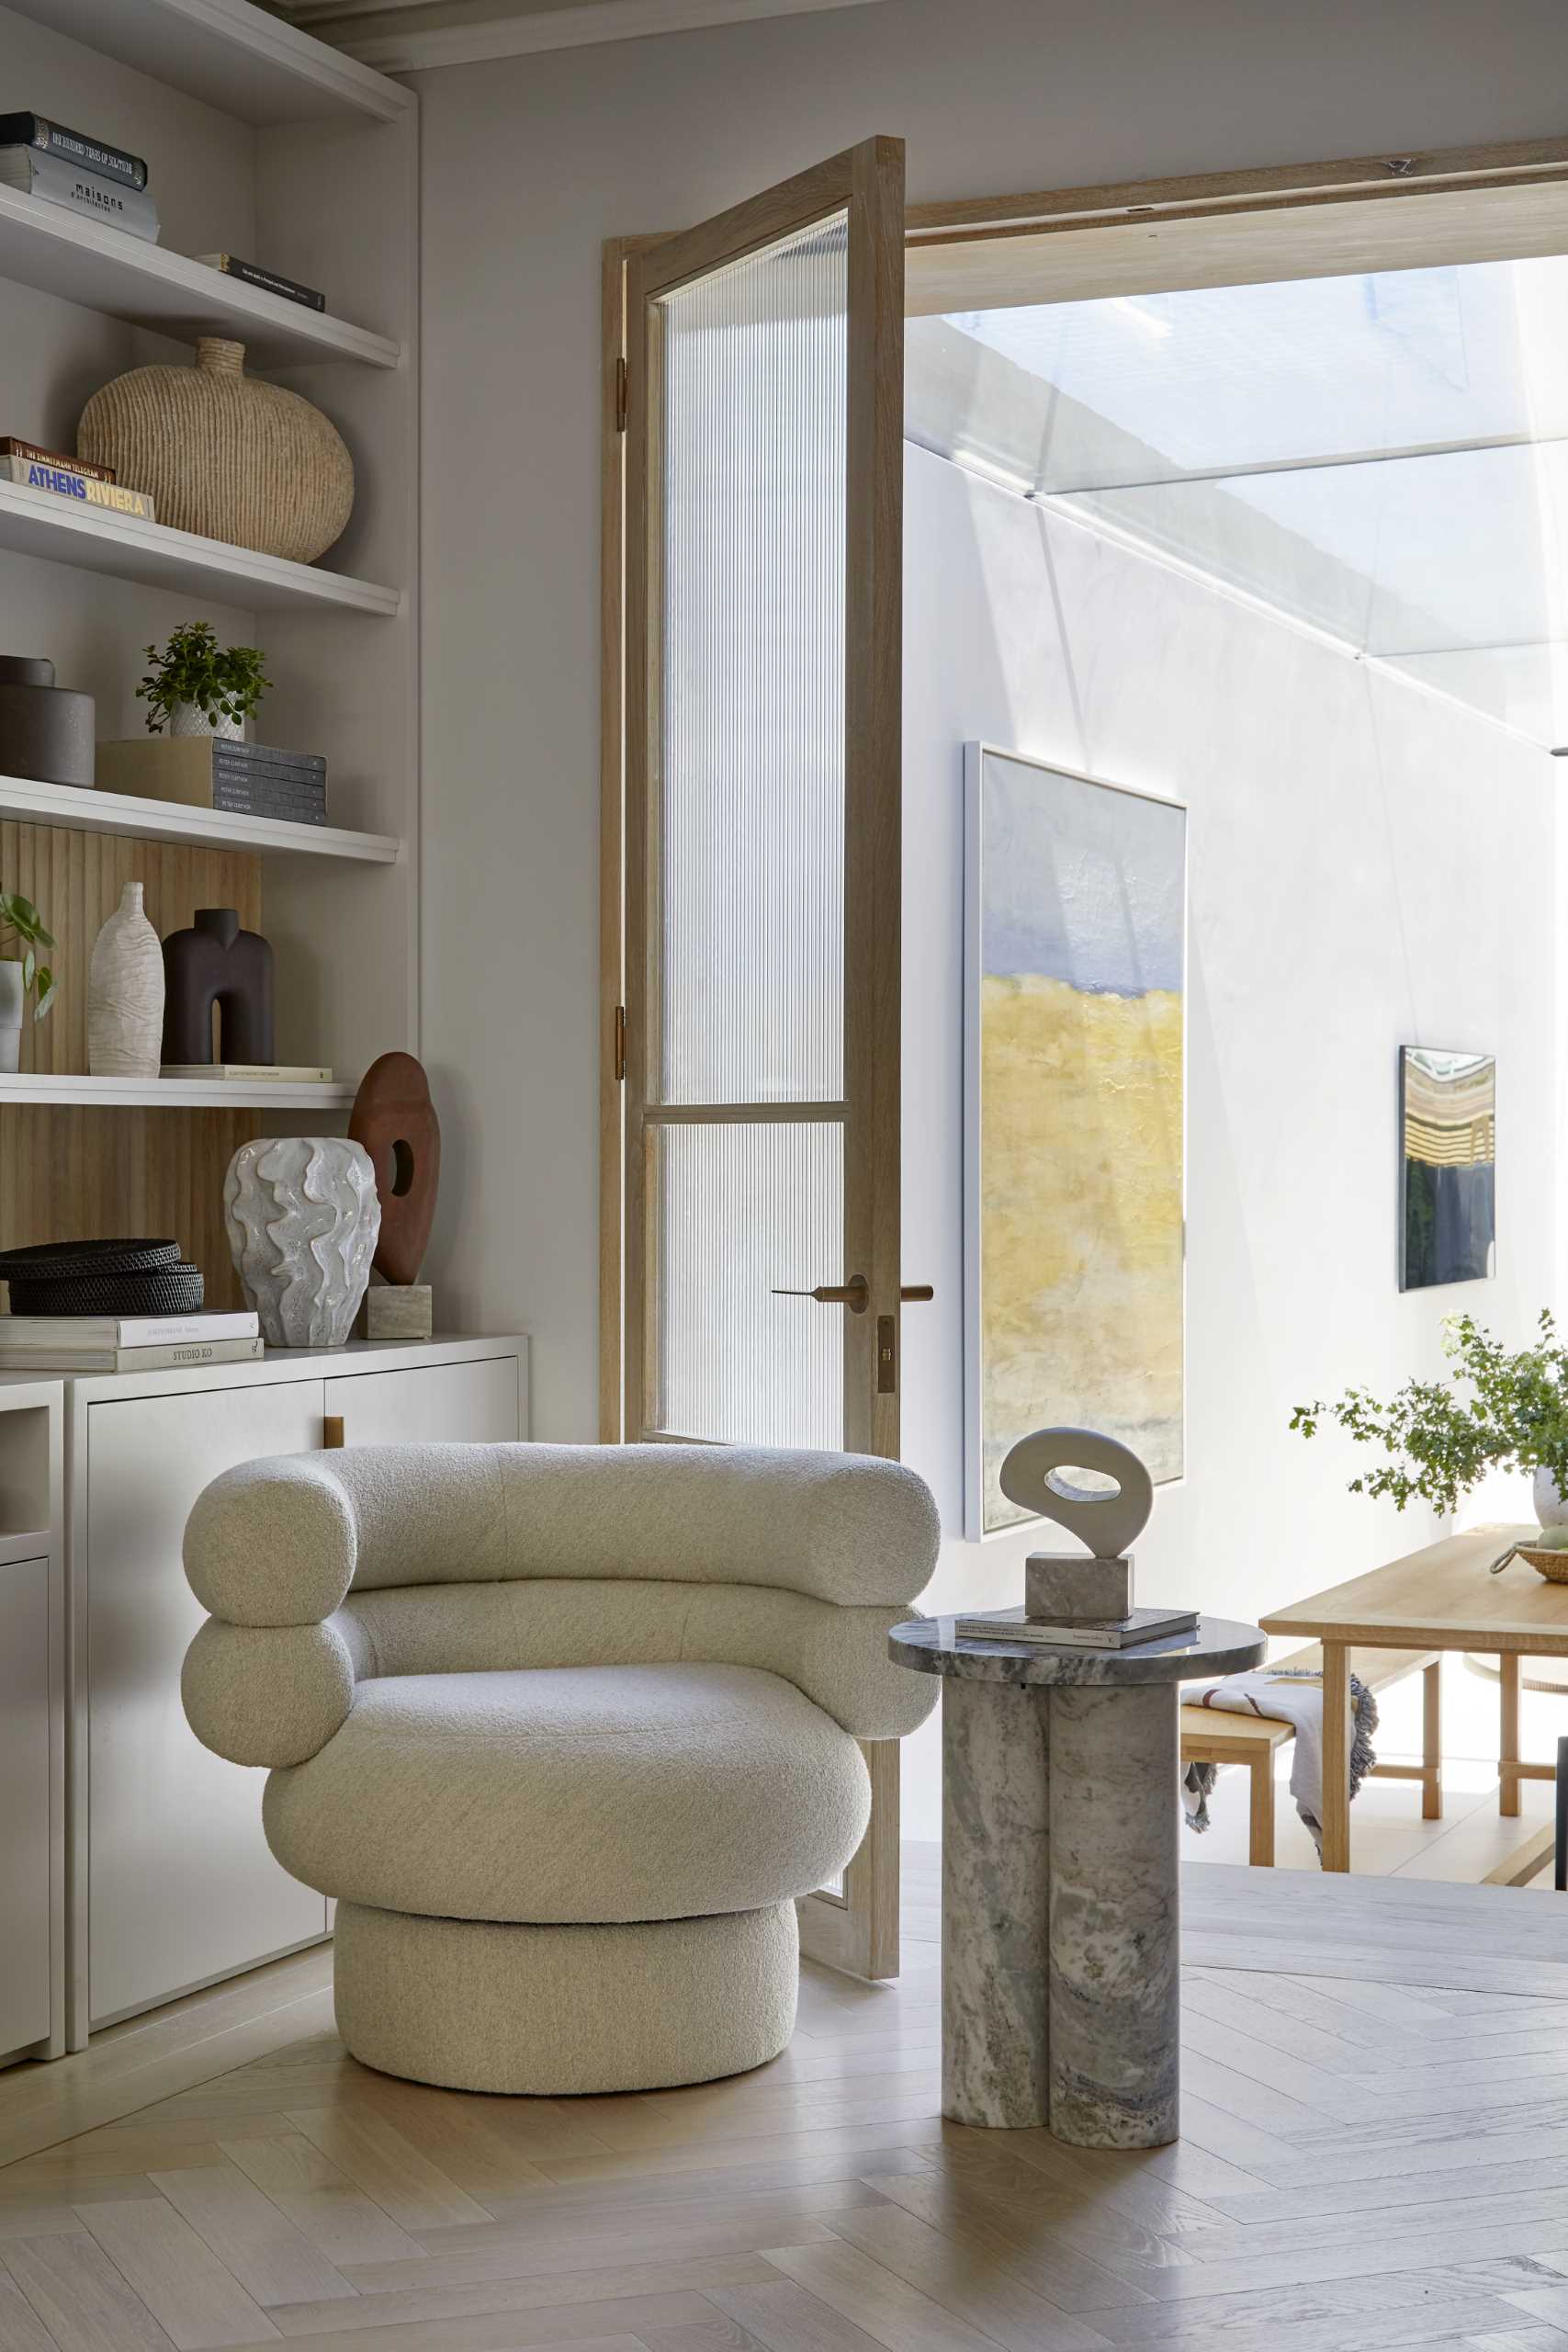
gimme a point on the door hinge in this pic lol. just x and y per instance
(621, 395)
(620, 1044)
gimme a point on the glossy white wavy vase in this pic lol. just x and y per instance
(303, 1217)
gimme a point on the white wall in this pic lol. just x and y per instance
(528, 164)
(1369, 868)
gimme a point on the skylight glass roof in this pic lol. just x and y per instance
(1383, 456)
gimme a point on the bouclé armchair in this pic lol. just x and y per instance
(565, 1729)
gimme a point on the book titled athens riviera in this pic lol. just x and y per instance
(91, 490)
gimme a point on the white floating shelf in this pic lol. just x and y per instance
(41, 523)
(108, 269)
(174, 1093)
(81, 810)
(230, 54)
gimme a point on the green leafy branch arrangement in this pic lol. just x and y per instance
(21, 925)
(227, 681)
(1493, 1410)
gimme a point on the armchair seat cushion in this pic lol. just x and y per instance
(574, 1794)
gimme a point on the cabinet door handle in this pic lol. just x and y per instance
(331, 1430)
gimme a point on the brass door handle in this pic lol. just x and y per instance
(856, 1293)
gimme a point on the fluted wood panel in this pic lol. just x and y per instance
(75, 880)
(73, 1173)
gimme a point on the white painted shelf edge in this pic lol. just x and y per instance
(173, 1094)
(43, 246)
(43, 523)
(230, 54)
(81, 810)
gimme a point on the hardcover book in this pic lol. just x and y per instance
(1128, 1633)
(62, 1333)
(68, 481)
(170, 1356)
(275, 1073)
(36, 131)
(11, 447)
(250, 273)
(76, 189)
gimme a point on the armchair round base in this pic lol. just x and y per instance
(547, 2011)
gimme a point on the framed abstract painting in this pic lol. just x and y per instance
(1447, 1167)
(1075, 975)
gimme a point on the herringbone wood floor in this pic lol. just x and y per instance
(1375, 2154)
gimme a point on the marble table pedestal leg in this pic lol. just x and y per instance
(1115, 1993)
(994, 1904)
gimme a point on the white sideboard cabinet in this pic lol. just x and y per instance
(171, 1884)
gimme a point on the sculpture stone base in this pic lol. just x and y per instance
(1064, 1588)
(397, 1311)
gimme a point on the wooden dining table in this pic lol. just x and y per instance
(1440, 1598)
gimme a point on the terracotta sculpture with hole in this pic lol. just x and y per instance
(394, 1119)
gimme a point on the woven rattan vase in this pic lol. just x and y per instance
(222, 454)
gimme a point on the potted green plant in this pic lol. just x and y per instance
(1496, 1409)
(197, 686)
(21, 925)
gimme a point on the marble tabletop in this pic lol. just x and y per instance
(1218, 1645)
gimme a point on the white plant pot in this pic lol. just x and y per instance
(12, 998)
(1551, 1510)
(189, 719)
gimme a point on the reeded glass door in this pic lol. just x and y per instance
(764, 420)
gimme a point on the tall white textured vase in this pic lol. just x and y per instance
(303, 1218)
(125, 993)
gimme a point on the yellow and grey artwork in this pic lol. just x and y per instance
(1074, 1162)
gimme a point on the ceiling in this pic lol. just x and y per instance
(1384, 457)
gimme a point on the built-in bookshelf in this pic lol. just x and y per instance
(263, 142)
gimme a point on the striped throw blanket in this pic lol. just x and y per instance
(1291, 1695)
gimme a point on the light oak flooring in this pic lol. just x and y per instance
(1375, 2154)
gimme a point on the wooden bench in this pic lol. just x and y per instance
(1212, 1735)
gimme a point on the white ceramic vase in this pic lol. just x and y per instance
(124, 994)
(12, 998)
(1551, 1510)
(303, 1217)
(189, 719)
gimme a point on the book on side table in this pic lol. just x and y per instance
(1126, 1634)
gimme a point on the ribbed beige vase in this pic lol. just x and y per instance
(223, 454)
(125, 993)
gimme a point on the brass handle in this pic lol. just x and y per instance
(331, 1430)
(856, 1293)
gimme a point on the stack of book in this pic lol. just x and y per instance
(212, 771)
(1119, 1634)
(86, 1343)
(67, 477)
(78, 173)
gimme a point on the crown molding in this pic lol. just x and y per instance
(524, 34)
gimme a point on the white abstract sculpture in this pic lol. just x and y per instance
(125, 993)
(303, 1217)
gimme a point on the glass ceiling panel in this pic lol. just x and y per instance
(1385, 456)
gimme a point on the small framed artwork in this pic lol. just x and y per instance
(1447, 1167)
(1073, 1217)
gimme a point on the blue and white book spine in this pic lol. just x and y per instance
(110, 497)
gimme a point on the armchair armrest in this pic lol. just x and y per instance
(269, 1694)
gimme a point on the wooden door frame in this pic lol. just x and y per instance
(1300, 220)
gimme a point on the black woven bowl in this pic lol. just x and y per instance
(54, 1261)
(168, 1290)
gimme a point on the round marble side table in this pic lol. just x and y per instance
(1061, 2000)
